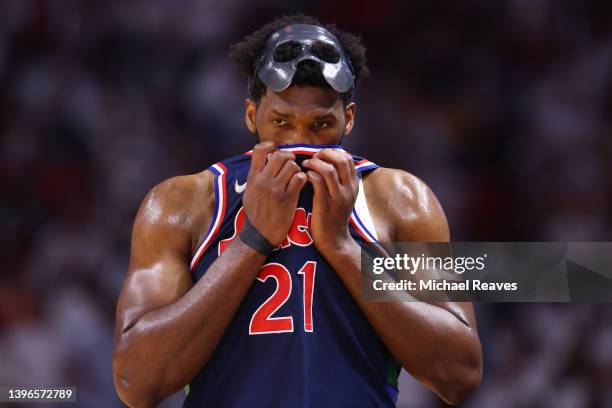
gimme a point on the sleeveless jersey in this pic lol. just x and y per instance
(298, 339)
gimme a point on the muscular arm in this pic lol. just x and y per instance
(167, 327)
(437, 343)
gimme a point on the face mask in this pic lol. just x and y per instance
(290, 45)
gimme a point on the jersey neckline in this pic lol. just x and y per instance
(314, 147)
(303, 148)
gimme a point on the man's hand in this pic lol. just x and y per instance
(272, 191)
(332, 174)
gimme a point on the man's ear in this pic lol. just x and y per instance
(349, 117)
(249, 115)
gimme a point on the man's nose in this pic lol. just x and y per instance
(301, 134)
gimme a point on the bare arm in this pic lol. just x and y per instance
(167, 327)
(165, 330)
(437, 343)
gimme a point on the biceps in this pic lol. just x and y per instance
(464, 311)
(150, 288)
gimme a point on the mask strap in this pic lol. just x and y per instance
(256, 66)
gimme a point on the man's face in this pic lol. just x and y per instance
(300, 114)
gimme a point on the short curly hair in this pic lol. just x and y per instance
(248, 51)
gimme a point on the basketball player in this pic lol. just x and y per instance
(244, 279)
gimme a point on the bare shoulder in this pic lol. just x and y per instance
(180, 205)
(405, 206)
(180, 193)
(164, 229)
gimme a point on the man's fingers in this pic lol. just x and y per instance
(276, 162)
(327, 172)
(351, 163)
(318, 184)
(297, 182)
(342, 162)
(287, 171)
(258, 158)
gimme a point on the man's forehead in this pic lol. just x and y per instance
(292, 112)
(303, 98)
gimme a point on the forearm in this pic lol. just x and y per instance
(437, 346)
(165, 348)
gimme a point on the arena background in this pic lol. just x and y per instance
(503, 107)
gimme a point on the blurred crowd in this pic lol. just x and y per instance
(504, 108)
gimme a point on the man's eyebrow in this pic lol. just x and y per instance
(282, 114)
(325, 116)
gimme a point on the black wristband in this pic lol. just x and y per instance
(253, 239)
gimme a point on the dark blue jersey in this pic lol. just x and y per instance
(298, 339)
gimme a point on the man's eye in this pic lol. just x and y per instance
(280, 122)
(320, 125)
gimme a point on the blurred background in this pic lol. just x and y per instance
(504, 108)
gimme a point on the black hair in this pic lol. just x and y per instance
(246, 55)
